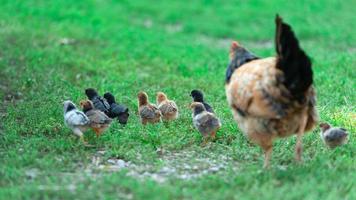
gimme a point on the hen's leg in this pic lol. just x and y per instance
(299, 145)
(268, 153)
(265, 142)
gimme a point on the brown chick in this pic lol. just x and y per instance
(205, 122)
(149, 113)
(333, 136)
(99, 121)
(168, 108)
(272, 97)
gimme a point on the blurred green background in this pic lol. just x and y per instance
(51, 51)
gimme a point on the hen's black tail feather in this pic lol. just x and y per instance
(292, 60)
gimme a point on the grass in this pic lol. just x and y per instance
(128, 46)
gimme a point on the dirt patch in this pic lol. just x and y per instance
(185, 164)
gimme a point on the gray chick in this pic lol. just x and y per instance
(333, 136)
(206, 122)
(75, 119)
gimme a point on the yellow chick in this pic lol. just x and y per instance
(168, 108)
(149, 113)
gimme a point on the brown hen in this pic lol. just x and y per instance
(272, 97)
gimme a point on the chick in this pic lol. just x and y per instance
(75, 119)
(118, 111)
(98, 101)
(206, 122)
(149, 113)
(168, 108)
(99, 121)
(333, 136)
(198, 96)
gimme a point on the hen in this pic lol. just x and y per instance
(272, 97)
(333, 136)
(168, 108)
(149, 113)
(75, 119)
(99, 121)
(118, 111)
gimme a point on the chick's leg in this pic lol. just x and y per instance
(205, 141)
(299, 145)
(143, 122)
(79, 133)
(97, 132)
(213, 135)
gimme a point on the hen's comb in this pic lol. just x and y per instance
(234, 45)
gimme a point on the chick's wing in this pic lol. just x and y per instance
(101, 103)
(98, 117)
(76, 118)
(168, 107)
(149, 111)
(118, 109)
(207, 120)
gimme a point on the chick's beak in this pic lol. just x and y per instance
(191, 106)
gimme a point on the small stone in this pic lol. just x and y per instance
(66, 41)
(32, 173)
(148, 23)
(121, 163)
(112, 161)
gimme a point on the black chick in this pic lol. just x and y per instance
(99, 102)
(118, 111)
(198, 96)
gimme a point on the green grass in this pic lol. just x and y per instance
(128, 46)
